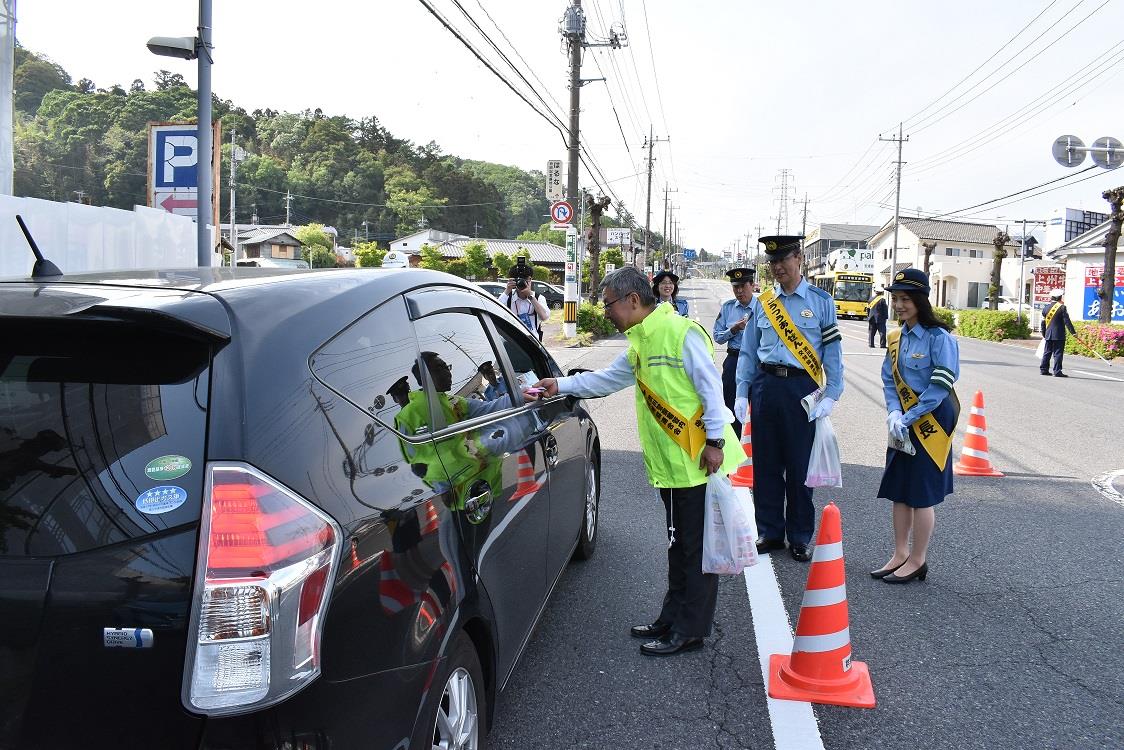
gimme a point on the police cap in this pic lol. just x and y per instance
(740, 275)
(780, 246)
(664, 275)
(910, 280)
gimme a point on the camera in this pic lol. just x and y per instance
(520, 284)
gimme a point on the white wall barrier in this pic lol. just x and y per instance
(79, 238)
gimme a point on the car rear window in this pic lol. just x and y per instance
(102, 430)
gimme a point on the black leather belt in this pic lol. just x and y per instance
(782, 371)
(732, 351)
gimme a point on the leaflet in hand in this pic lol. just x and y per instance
(905, 446)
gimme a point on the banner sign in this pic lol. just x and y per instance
(1046, 279)
(1091, 307)
(617, 236)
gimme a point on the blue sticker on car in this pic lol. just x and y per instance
(161, 499)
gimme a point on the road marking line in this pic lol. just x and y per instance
(793, 722)
(1103, 485)
(1098, 375)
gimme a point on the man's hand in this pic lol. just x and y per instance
(822, 408)
(510, 286)
(711, 459)
(741, 409)
(739, 326)
(549, 388)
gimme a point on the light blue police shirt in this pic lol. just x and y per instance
(929, 363)
(731, 312)
(813, 311)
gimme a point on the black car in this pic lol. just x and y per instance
(250, 508)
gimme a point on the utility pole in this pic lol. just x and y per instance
(782, 207)
(1115, 198)
(573, 29)
(236, 155)
(288, 207)
(804, 231)
(666, 192)
(7, 69)
(897, 205)
(650, 144)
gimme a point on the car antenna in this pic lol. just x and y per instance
(43, 267)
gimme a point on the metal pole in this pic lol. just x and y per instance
(1022, 271)
(233, 176)
(7, 71)
(897, 209)
(577, 40)
(204, 175)
(648, 209)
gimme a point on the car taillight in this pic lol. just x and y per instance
(267, 559)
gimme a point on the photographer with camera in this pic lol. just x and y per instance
(520, 298)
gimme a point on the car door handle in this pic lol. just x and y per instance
(478, 504)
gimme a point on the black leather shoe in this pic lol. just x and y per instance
(883, 572)
(1043, 372)
(919, 574)
(1060, 375)
(672, 644)
(800, 552)
(655, 630)
(765, 546)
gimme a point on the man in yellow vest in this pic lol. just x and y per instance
(685, 435)
(1055, 321)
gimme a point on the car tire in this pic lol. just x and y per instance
(457, 716)
(591, 512)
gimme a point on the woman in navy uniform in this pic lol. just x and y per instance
(665, 285)
(929, 363)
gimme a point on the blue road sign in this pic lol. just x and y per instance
(689, 254)
(176, 154)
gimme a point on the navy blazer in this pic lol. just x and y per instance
(1059, 324)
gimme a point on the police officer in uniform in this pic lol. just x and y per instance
(776, 373)
(1055, 321)
(876, 319)
(728, 327)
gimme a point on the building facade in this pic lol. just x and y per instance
(827, 238)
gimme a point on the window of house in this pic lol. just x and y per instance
(252, 251)
(977, 293)
(952, 252)
(282, 251)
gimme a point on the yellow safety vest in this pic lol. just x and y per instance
(668, 408)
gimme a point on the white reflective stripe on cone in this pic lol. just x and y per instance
(827, 552)
(974, 453)
(972, 430)
(824, 597)
(817, 644)
(977, 411)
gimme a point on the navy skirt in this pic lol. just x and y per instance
(916, 480)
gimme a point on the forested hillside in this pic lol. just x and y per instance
(77, 141)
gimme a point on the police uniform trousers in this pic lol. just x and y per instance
(688, 606)
(781, 447)
(916, 480)
(730, 384)
(879, 328)
(1054, 349)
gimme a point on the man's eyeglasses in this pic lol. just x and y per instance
(618, 299)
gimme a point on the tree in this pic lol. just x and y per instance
(1115, 198)
(544, 234)
(137, 86)
(322, 257)
(929, 247)
(502, 264)
(596, 208)
(1000, 243)
(476, 260)
(432, 258)
(166, 79)
(33, 78)
(457, 267)
(368, 255)
(314, 235)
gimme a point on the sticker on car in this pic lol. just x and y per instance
(167, 467)
(161, 499)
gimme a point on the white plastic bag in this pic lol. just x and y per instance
(730, 533)
(824, 469)
(1040, 349)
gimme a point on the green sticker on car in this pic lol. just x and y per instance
(167, 467)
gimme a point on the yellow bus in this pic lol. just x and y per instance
(851, 292)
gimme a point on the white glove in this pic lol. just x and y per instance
(741, 408)
(822, 408)
(895, 414)
(900, 429)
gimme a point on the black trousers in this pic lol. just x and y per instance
(730, 384)
(1055, 349)
(880, 327)
(691, 595)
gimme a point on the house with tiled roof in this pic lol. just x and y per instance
(547, 254)
(960, 263)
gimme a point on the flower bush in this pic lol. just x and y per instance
(992, 325)
(592, 319)
(945, 316)
(1105, 340)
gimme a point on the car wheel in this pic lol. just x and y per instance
(458, 717)
(587, 541)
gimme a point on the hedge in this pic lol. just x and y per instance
(945, 316)
(592, 319)
(992, 325)
(1105, 340)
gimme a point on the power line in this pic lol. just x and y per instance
(1018, 192)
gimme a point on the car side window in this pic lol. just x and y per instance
(371, 363)
(462, 368)
(527, 360)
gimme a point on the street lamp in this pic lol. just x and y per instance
(192, 48)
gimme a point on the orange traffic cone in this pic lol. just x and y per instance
(820, 669)
(743, 475)
(974, 460)
(525, 477)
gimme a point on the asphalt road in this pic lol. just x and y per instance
(1015, 639)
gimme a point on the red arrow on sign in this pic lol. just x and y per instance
(171, 203)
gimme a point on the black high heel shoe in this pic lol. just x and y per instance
(883, 572)
(919, 574)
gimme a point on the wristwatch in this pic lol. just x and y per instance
(719, 443)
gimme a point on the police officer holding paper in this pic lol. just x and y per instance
(791, 347)
(728, 327)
